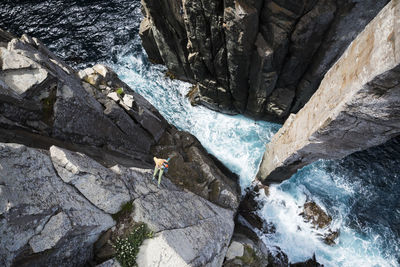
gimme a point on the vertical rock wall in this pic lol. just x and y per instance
(262, 58)
(357, 105)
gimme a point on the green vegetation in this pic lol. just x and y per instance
(249, 257)
(126, 209)
(120, 91)
(48, 105)
(127, 248)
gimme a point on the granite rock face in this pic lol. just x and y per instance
(57, 193)
(189, 230)
(357, 105)
(262, 58)
(99, 185)
(54, 206)
(191, 167)
(43, 102)
(43, 220)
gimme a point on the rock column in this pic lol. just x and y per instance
(357, 105)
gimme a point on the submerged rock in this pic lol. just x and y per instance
(315, 215)
(320, 220)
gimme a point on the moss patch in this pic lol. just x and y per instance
(250, 257)
(125, 210)
(120, 92)
(48, 107)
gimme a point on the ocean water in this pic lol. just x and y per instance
(362, 197)
(360, 192)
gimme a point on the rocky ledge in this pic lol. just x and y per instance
(55, 204)
(262, 58)
(77, 147)
(43, 102)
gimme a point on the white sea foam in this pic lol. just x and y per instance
(239, 143)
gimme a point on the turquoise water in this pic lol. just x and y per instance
(361, 192)
(239, 142)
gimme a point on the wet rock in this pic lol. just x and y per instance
(277, 258)
(317, 216)
(249, 207)
(320, 220)
(331, 237)
(308, 263)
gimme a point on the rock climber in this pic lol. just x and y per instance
(161, 166)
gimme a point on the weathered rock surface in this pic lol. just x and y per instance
(55, 217)
(189, 230)
(262, 58)
(43, 220)
(40, 97)
(315, 215)
(46, 219)
(43, 103)
(357, 105)
(191, 167)
(98, 184)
